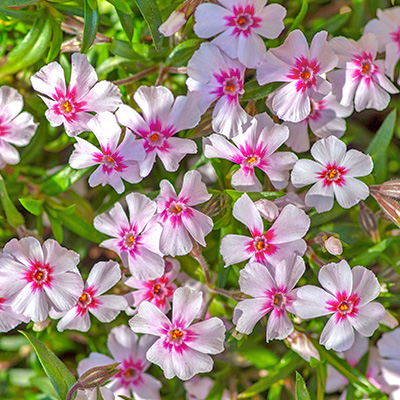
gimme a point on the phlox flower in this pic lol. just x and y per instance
(183, 348)
(163, 117)
(389, 351)
(360, 76)
(213, 76)
(130, 351)
(239, 25)
(181, 222)
(265, 247)
(8, 318)
(102, 277)
(272, 293)
(15, 127)
(326, 118)
(255, 147)
(157, 291)
(117, 161)
(135, 240)
(72, 106)
(35, 278)
(334, 172)
(198, 389)
(348, 296)
(303, 69)
(386, 28)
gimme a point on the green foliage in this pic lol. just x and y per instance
(301, 388)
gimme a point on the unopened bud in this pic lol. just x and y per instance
(389, 188)
(215, 205)
(41, 326)
(302, 345)
(333, 246)
(368, 222)
(267, 209)
(97, 376)
(173, 23)
(389, 206)
(389, 320)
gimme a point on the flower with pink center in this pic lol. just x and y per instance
(265, 247)
(130, 351)
(386, 28)
(326, 118)
(183, 348)
(36, 278)
(163, 117)
(135, 240)
(72, 106)
(255, 147)
(157, 291)
(102, 277)
(181, 222)
(213, 76)
(239, 25)
(334, 172)
(16, 128)
(117, 161)
(303, 69)
(360, 76)
(8, 318)
(348, 296)
(272, 293)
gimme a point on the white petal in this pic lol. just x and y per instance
(193, 189)
(175, 239)
(177, 148)
(141, 210)
(103, 276)
(112, 221)
(186, 305)
(271, 24)
(311, 302)
(149, 319)
(366, 321)
(289, 271)
(251, 49)
(198, 225)
(305, 172)
(255, 280)
(370, 95)
(185, 114)
(209, 336)
(336, 278)
(351, 192)
(75, 321)
(210, 20)
(320, 197)
(106, 129)
(59, 258)
(246, 212)
(48, 79)
(247, 313)
(357, 163)
(234, 249)
(338, 336)
(279, 325)
(83, 155)
(104, 96)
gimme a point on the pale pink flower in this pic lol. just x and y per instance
(181, 222)
(213, 76)
(333, 245)
(163, 117)
(35, 278)
(303, 68)
(102, 277)
(265, 247)
(72, 106)
(16, 128)
(8, 318)
(389, 351)
(386, 28)
(333, 173)
(255, 147)
(272, 293)
(361, 77)
(198, 389)
(116, 161)
(348, 296)
(135, 240)
(157, 291)
(130, 351)
(326, 118)
(239, 25)
(183, 348)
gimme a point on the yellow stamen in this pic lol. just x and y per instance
(131, 239)
(251, 160)
(84, 297)
(38, 276)
(241, 20)
(128, 373)
(156, 289)
(305, 75)
(343, 307)
(176, 210)
(230, 88)
(260, 244)
(277, 299)
(109, 159)
(175, 334)
(332, 174)
(154, 137)
(365, 68)
(67, 105)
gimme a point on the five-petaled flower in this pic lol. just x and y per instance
(282, 239)
(334, 174)
(348, 296)
(183, 348)
(72, 106)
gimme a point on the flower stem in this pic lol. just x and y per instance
(135, 77)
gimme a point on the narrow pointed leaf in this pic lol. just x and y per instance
(14, 217)
(151, 14)
(90, 29)
(301, 388)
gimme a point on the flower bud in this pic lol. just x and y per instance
(214, 206)
(389, 188)
(333, 246)
(41, 326)
(389, 206)
(267, 209)
(389, 320)
(173, 23)
(97, 376)
(368, 222)
(302, 345)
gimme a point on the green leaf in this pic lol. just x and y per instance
(98, 394)
(300, 16)
(216, 392)
(14, 217)
(151, 15)
(260, 357)
(20, 14)
(253, 91)
(81, 227)
(181, 53)
(55, 224)
(121, 5)
(131, 51)
(368, 256)
(60, 376)
(301, 388)
(332, 25)
(62, 180)
(16, 3)
(44, 385)
(34, 206)
(235, 195)
(56, 41)
(90, 28)
(289, 363)
(126, 23)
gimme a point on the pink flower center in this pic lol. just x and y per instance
(243, 20)
(315, 108)
(229, 83)
(87, 300)
(176, 208)
(231, 86)
(278, 299)
(333, 174)
(261, 246)
(396, 36)
(304, 72)
(344, 306)
(155, 139)
(251, 160)
(364, 67)
(111, 161)
(131, 373)
(159, 291)
(176, 336)
(39, 275)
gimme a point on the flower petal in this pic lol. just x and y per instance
(279, 325)
(247, 313)
(149, 319)
(186, 305)
(336, 278)
(311, 302)
(337, 335)
(246, 212)
(209, 336)
(234, 249)
(366, 321)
